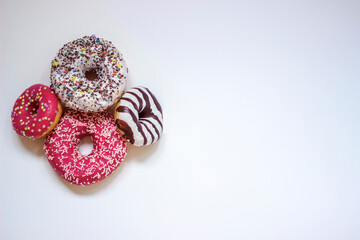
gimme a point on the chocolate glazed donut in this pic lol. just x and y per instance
(139, 117)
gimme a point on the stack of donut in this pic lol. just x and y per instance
(88, 76)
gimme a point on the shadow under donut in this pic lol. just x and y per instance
(93, 188)
(134, 153)
(140, 154)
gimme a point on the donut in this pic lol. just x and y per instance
(62, 147)
(88, 74)
(36, 112)
(138, 117)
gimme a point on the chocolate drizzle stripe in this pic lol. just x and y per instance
(139, 100)
(147, 108)
(134, 118)
(156, 118)
(151, 134)
(132, 102)
(147, 112)
(153, 125)
(157, 104)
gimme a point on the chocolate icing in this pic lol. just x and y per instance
(128, 134)
(144, 111)
(147, 111)
(134, 118)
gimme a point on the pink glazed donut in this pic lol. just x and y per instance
(62, 147)
(36, 112)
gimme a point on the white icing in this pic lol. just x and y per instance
(68, 74)
(152, 130)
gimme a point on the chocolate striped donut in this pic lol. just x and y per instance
(138, 117)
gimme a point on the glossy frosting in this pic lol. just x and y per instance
(35, 111)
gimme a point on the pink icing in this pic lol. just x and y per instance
(34, 111)
(62, 147)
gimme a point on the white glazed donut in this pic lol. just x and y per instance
(138, 117)
(88, 74)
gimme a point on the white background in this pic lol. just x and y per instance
(261, 107)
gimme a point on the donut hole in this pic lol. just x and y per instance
(91, 74)
(145, 114)
(34, 107)
(86, 145)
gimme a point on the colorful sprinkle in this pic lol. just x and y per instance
(69, 84)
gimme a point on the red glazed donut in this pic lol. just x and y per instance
(36, 112)
(62, 147)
